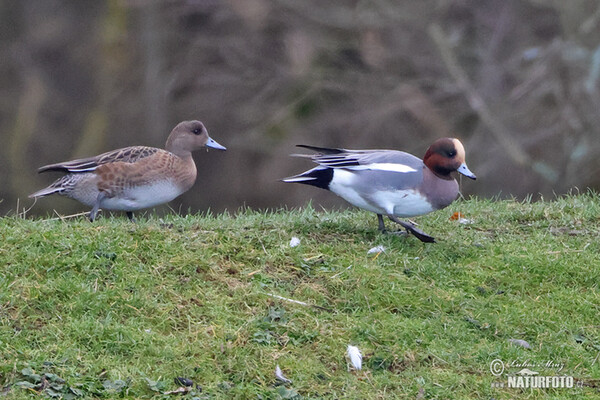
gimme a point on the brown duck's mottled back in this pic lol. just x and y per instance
(128, 155)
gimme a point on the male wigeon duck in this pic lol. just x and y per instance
(390, 182)
(136, 177)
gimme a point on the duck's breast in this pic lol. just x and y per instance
(439, 192)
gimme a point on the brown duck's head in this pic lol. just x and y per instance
(189, 136)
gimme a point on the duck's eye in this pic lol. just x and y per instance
(451, 153)
(196, 131)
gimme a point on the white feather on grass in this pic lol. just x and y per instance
(520, 342)
(354, 357)
(294, 241)
(376, 249)
(279, 375)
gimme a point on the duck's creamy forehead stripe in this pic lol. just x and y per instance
(460, 150)
(390, 167)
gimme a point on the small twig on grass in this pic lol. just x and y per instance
(23, 214)
(341, 272)
(439, 358)
(297, 302)
(263, 246)
(64, 217)
(595, 359)
(130, 306)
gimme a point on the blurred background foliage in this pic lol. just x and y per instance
(515, 80)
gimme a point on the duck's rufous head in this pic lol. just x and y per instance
(445, 156)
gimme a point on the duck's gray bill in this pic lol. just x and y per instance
(211, 143)
(463, 169)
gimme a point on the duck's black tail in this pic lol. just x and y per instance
(318, 176)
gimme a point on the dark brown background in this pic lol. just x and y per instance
(516, 81)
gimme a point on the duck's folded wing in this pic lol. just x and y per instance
(376, 160)
(334, 157)
(377, 174)
(322, 150)
(127, 155)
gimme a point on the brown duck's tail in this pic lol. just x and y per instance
(47, 191)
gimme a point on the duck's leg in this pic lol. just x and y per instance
(383, 230)
(94, 212)
(381, 223)
(130, 216)
(422, 236)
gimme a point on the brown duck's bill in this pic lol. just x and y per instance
(213, 144)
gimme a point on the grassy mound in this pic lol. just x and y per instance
(115, 309)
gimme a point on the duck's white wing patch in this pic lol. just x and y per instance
(389, 167)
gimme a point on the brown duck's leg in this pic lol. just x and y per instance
(422, 236)
(130, 216)
(94, 212)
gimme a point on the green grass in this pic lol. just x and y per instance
(119, 310)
